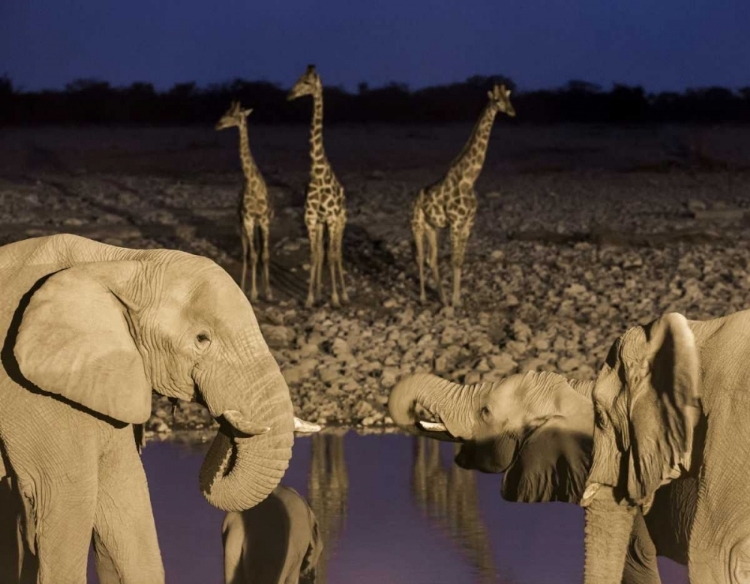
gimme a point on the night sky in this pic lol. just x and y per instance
(662, 45)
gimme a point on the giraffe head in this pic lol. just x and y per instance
(234, 116)
(500, 98)
(308, 84)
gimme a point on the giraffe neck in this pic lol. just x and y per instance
(317, 153)
(248, 164)
(470, 160)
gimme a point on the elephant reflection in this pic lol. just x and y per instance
(327, 491)
(450, 499)
(275, 542)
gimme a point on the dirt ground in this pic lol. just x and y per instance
(581, 232)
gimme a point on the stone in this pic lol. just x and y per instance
(503, 363)
(277, 336)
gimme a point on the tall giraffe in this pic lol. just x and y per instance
(325, 205)
(452, 200)
(254, 209)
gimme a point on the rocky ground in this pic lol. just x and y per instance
(580, 234)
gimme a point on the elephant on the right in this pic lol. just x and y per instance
(656, 449)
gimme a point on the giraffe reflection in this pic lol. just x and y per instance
(450, 499)
(327, 492)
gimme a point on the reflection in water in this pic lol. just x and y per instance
(388, 538)
(327, 492)
(451, 500)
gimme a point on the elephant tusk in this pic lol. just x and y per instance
(304, 426)
(432, 426)
(239, 422)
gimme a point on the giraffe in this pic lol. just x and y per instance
(254, 210)
(325, 205)
(451, 201)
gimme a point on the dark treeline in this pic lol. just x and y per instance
(90, 101)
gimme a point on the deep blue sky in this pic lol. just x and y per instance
(661, 44)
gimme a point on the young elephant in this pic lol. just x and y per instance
(275, 542)
(89, 331)
(662, 437)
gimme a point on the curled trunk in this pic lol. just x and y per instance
(452, 403)
(240, 471)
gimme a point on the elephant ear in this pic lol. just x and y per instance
(663, 378)
(74, 341)
(551, 465)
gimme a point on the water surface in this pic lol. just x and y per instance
(392, 509)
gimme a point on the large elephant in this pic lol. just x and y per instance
(89, 331)
(276, 542)
(656, 448)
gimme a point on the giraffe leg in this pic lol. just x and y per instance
(266, 257)
(340, 263)
(312, 232)
(432, 240)
(333, 235)
(417, 227)
(459, 237)
(321, 258)
(253, 263)
(243, 237)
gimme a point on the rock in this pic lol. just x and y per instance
(277, 336)
(503, 364)
(292, 375)
(309, 350)
(472, 377)
(389, 377)
(329, 373)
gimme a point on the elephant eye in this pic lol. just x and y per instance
(484, 412)
(202, 339)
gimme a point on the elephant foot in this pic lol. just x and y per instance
(269, 296)
(344, 298)
(253, 295)
(309, 302)
(335, 302)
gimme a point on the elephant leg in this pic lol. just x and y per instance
(640, 563)
(17, 564)
(125, 543)
(58, 520)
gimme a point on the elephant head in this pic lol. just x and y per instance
(102, 335)
(535, 427)
(647, 411)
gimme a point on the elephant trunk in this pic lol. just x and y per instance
(454, 404)
(607, 535)
(252, 449)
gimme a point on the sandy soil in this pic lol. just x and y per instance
(582, 232)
